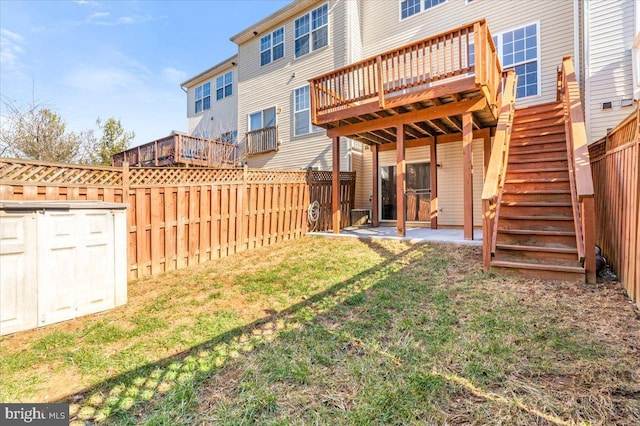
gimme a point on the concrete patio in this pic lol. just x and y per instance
(413, 234)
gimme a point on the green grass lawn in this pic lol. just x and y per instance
(336, 331)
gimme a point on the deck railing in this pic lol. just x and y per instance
(462, 51)
(262, 140)
(497, 169)
(580, 177)
(179, 149)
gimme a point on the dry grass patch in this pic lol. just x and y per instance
(332, 331)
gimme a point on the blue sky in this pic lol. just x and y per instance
(87, 59)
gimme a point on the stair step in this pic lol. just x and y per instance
(539, 109)
(551, 169)
(536, 160)
(562, 148)
(536, 204)
(538, 132)
(536, 232)
(534, 119)
(545, 249)
(536, 180)
(540, 218)
(541, 266)
(522, 141)
(537, 191)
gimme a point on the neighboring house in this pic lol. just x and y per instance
(212, 102)
(279, 54)
(607, 81)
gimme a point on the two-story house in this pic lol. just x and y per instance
(367, 42)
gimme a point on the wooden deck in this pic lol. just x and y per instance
(179, 150)
(426, 86)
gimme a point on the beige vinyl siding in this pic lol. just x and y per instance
(362, 163)
(220, 118)
(451, 183)
(354, 28)
(262, 87)
(384, 30)
(609, 78)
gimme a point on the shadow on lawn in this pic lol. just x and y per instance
(130, 390)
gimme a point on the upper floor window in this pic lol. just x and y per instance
(224, 85)
(229, 137)
(312, 31)
(272, 47)
(302, 112)
(203, 97)
(520, 49)
(261, 119)
(412, 7)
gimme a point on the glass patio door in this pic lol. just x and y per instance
(418, 192)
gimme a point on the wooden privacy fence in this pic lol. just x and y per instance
(615, 163)
(321, 188)
(179, 216)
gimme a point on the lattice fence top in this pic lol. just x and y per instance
(327, 176)
(176, 176)
(54, 173)
(276, 176)
(37, 172)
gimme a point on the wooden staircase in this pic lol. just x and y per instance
(535, 234)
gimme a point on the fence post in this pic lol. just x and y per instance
(125, 182)
(307, 200)
(244, 202)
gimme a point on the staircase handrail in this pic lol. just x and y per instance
(497, 168)
(580, 178)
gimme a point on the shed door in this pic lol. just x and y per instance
(58, 260)
(98, 279)
(18, 279)
(76, 264)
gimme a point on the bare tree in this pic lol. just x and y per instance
(36, 132)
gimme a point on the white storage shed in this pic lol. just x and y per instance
(60, 260)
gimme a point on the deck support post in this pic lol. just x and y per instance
(487, 148)
(400, 180)
(375, 202)
(467, 153)
(335, 185)
(433, 203)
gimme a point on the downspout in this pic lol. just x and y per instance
(587, 69)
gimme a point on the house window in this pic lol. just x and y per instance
(272, 47)
(312, 31)
(261, 119)
(203, 97)
(224, 85)
(228, 137)
(520, 50)
(411, 7)
(302, 112)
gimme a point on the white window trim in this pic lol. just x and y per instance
(284, 46)
(224, 86)
(196, 99)
(261, 111)
(312, 127)
(538, 58)
(422, 9)
(328, 25)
